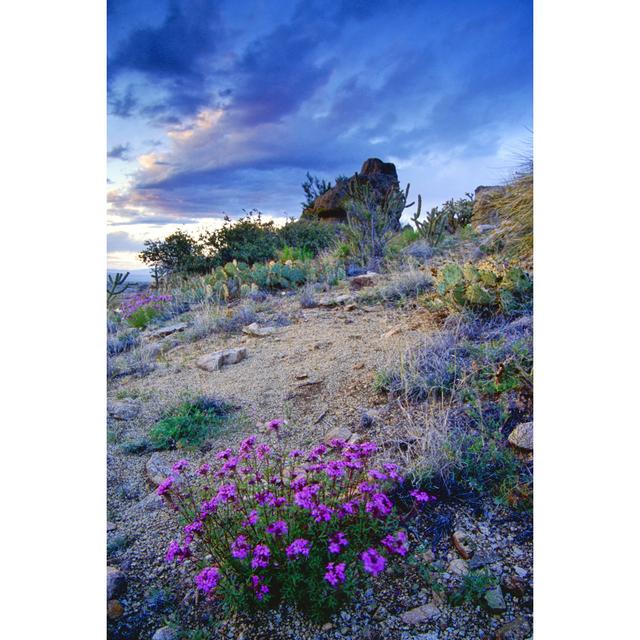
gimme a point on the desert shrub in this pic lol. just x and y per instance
(202, 325)
(290, 254)
(138, 362)
(400, 241)
(143, 308)
(122, 341)
(372, 220)
(260, 532)
(249, 239)
(189, 424)
(307, 298)
(400, 286)
(177, 253)
(420, 250)
(487, 288)
(309, 236)
(235, 319)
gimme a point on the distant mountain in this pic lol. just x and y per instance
(135, 275)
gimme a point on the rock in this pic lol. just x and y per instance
(420, 614)
(302, 376)
(483, 228)
(111, 526)
(480, 559)
(157, 469)
(308, 382)
(358, 366)
(123, 410)
(116, 583)
(458, 567)
(351, 307)
(391, 332)
(428, 556)
(464, 544)
(327, 626)
(337, 433)
(114, 610)
(522, 436)
(168, 330)
(254, 329)
(214, 361)
(368, 417)
(515, 585)
(368, 279)
(165, 633)
(520, 571)
(495, 600)
(152, 502)
(518, 629)
(334, 301)
(330, 206)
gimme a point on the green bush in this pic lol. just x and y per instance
(189, 424)
(474, 585)
(309, 236)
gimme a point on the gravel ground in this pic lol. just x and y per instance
(339, 351)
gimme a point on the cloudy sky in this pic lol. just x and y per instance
(216, 107)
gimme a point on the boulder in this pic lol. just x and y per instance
(368, 279)
(420, 614)
(116, 583)
(123, 410)
(157, 469)
(215, 361)
(330, 206)
(522, 436)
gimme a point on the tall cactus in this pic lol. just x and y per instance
(117, 285)
(432, 228)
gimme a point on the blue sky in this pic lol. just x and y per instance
(215, 107)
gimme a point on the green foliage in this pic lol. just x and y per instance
(189, 424)
(291, 254)
(486, 288)
(474, 585)
(117, 285)
(177, 253)
(400, 241)
(135, 447)
(117, 544)
(309, 236)
(313, 187)
(143, 316)
(249, 239)
(453, 215)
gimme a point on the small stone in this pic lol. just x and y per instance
(165, 633)
(214, 361)
(482, 558)
(522, 436)
(464, 544)
(495, 600)
(420, 614)
(351, 307)
(391, 332)
(337, 433)
(254, 329)
(428, 556)
(301, 376)
(124, 410)
(514, 585)
(116, 583)
(327, 626)
(368, 279)
(151, 502)
(168, 330)
(458, 567)
(518, 629)
(520, 571)
(358, 366)
(483, 228)
(309, 382)
(114, 610)
(111, 526)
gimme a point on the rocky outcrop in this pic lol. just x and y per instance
(330, 206)
(484, 211)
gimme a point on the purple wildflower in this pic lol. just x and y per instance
(259, 588)
(299, 547)
(246, 445)
(421, 496)
(265, 497)
(392, 470)
(179, 466)
(373, 562)
(397, 543)
(379, 506)
(251, 520)
(224, 455)
(226, 493)
(165, 486)
(204, 469)
(367, 487)
(321, 513)
(296, 453)
(335, 573)
(207, 580)
(278, 528)
(335, 468)
(337, 541)
(262, 450)
(193, 526)
(261, 555)
(274, 425)
(240, 547)
(349, 508)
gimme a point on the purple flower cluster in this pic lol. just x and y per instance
(131, 305)
(299, 547)
(372, 561)
(422, 496)
(278, 528)
(207, 580)
(398, 543)
(261, 555)
(337, 541)
(240, 547)
(335, 573)
(259, 588)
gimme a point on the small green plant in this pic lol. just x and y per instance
(135, 447)
(189, 424)
(433, 227)
(117, 544)
(291, 254)
(474, 585)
